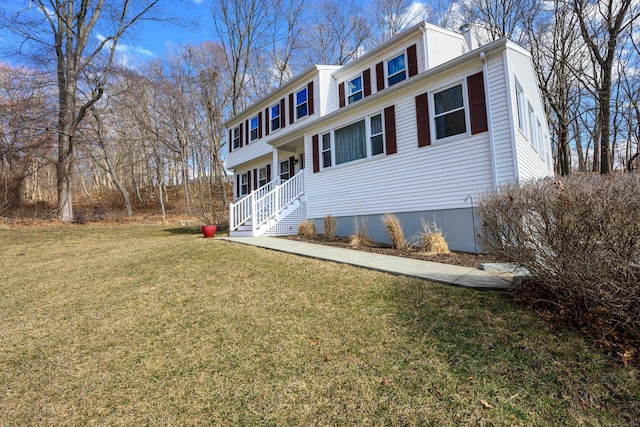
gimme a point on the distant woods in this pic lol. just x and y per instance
(78, 119)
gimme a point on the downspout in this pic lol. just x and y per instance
(424, 47)
(485, 74)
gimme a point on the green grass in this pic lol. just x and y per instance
(145, 325)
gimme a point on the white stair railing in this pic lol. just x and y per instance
(240, 211)
(278, 199)
(265, 202)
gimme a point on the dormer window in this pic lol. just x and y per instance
(275, 117)
(354, 89)
(253, 126)
(396, 70)
(301, 104)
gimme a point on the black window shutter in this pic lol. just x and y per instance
(259, 124)
(422, 118)
(247, 133)
(291, 108)
(316, 154)
(237, 185)
(310, 98)
(412, 60)
(390, 129)
(477, 103)
(366, 82)
(267, 120)
(379, 76)
(230, 141)
(249, 181)
(341, 100)
(255, 179)
(268, 173)
(241, 140)
(283, 120)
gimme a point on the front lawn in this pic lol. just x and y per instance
(147, 325)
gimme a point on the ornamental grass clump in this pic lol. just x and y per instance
(360, 237)
(307, 229)
(330, 225)
(433, 243)
(394, 230)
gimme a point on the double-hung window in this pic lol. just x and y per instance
(236, 137)
(253, 126)
(262, 177)
(396, 70)
(326, 150)
(301, 104)
(244, 184)
(354, 89)
(377, 140)
(450, 118)
(275, 117)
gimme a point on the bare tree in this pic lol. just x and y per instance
(337, 33)
(603, 24)
(552, 37)
(500, 18)
(69, 29)
(242, 26)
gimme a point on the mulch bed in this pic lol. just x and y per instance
(455, 258)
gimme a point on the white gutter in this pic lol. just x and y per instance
(487, 95)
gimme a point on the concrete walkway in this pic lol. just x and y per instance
(435, 271)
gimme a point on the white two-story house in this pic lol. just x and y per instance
(411, 128)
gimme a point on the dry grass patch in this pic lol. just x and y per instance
(152, 326)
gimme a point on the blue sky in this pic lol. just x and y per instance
(153, 38)
(148, 39)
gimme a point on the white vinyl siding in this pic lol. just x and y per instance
(531, 164)
(443, 46)
(260, 147)
(435, 177)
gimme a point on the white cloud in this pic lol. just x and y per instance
(124, 48)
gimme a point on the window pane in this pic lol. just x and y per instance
(326, 159)
(275, 111)
(450, 124)
(395, 65)
(377, 146)
(350, 143)
(355, 97)
(302, 110)
(354, 86)
(301, 97)
(448, 100)
(376, 124)
(326, 141)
